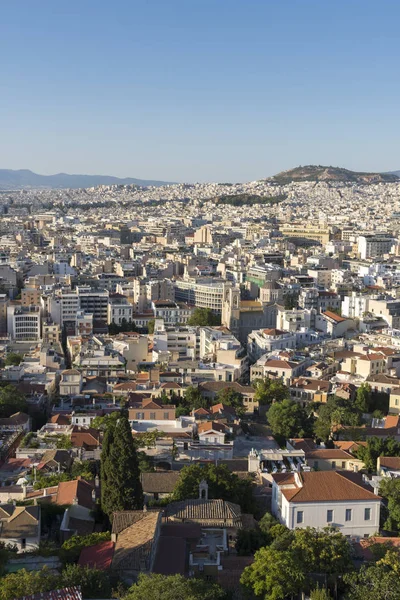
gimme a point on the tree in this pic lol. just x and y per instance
(377, 447)
(326, 551)
(14, 359)
(11, 401)
(63, 442)
(121, 487)
(150, 326)
(71, 548)
(26, 583)
(269, 391)
(249, 541)
(222, 484)
(173, 587)
(363, 398)
(267, 522)
(273, 575)
(288, 419)
(291, 300)
(109, 420)
(203, 317)
(336, 412)
(192, 399)
(380, 581)
(230, 397)
(390, 489)
(93, 582)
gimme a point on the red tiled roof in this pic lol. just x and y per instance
(97, 557)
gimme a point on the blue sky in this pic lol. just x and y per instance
(199, 90)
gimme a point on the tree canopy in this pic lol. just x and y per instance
(337, 411)
(270, 390)
(230, 397)
(173, 587)
(390, 489)
(222, 484)
(11, 401)
(120, 476)
(377, 447)
(379, 581)
(14, 359)
(363, 398)
(288, 419)
(203, 317)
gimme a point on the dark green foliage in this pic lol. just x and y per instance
(337, 411)
(390, 490)
(114, 329)
(121, 487)
(377, 447)
(363, 398)
(291, 301)
(173, 587)
(222, 484)
(270, 390)
(248, 541)
(230, 397)
(11, 401)
(203, 317)
(288, 419)
(248, 199)
(108, 420)
(14, 359)
(380, 581)
(71, 548)
(150, 325)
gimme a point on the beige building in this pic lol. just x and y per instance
(394, 401)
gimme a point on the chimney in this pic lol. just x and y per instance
(97, 481)
(75, 501)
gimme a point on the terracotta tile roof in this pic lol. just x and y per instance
(171, 556)
(60, 419)
(391, 462)
(78, 488)
(159, 482)
(135, 542)
(328, 453)
(222, 408)
(201, 411)
(205, 512)
(279, 364)
(349, 446)
(306, 444)
(212, 426)
(392, 421)
(82, 437)
(325, 486)
(333, 316)
(274, 332)
(99, 556)
(217, 386)
(371, 357)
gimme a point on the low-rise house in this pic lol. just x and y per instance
(306, 389)
(20, 526)
(332, 324)
(329, 459)
(212, 432)
(388, 466)
(135, 534)
(54, 461)
(394, 401)
(326, 498)
(85, 437)
(71, 382)
(210, 390)
(159, 484)
(17, 422)
(150, 410)
(98, 557)
(282, 367)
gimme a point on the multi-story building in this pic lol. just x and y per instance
(263, 341)
(119, 310)
(370, 246)
(24, 322)
(172, 313)
(200, 292)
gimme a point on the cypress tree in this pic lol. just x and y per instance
(121, 486)
(105, 468)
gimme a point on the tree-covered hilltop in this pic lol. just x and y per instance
(248, 199)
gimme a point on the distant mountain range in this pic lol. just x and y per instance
(321, 173)
(25, 179)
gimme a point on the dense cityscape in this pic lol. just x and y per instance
(200, 390)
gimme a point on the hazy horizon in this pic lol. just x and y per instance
(201, 91)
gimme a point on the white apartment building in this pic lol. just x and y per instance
(326, 498)
(119, 310)
(370, 246)
(203, 293)
(24, 323)
(264, 341)
(173, 313)
(355, 305)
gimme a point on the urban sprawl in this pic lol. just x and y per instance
(200, 391)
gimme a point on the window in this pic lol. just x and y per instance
(367, 514)
(152, 416)
(299, 516)
(329, 516)
(166, 416)
(23, 544)
(343, 464)
(315, 464)
(348, 514)
(333, 464)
